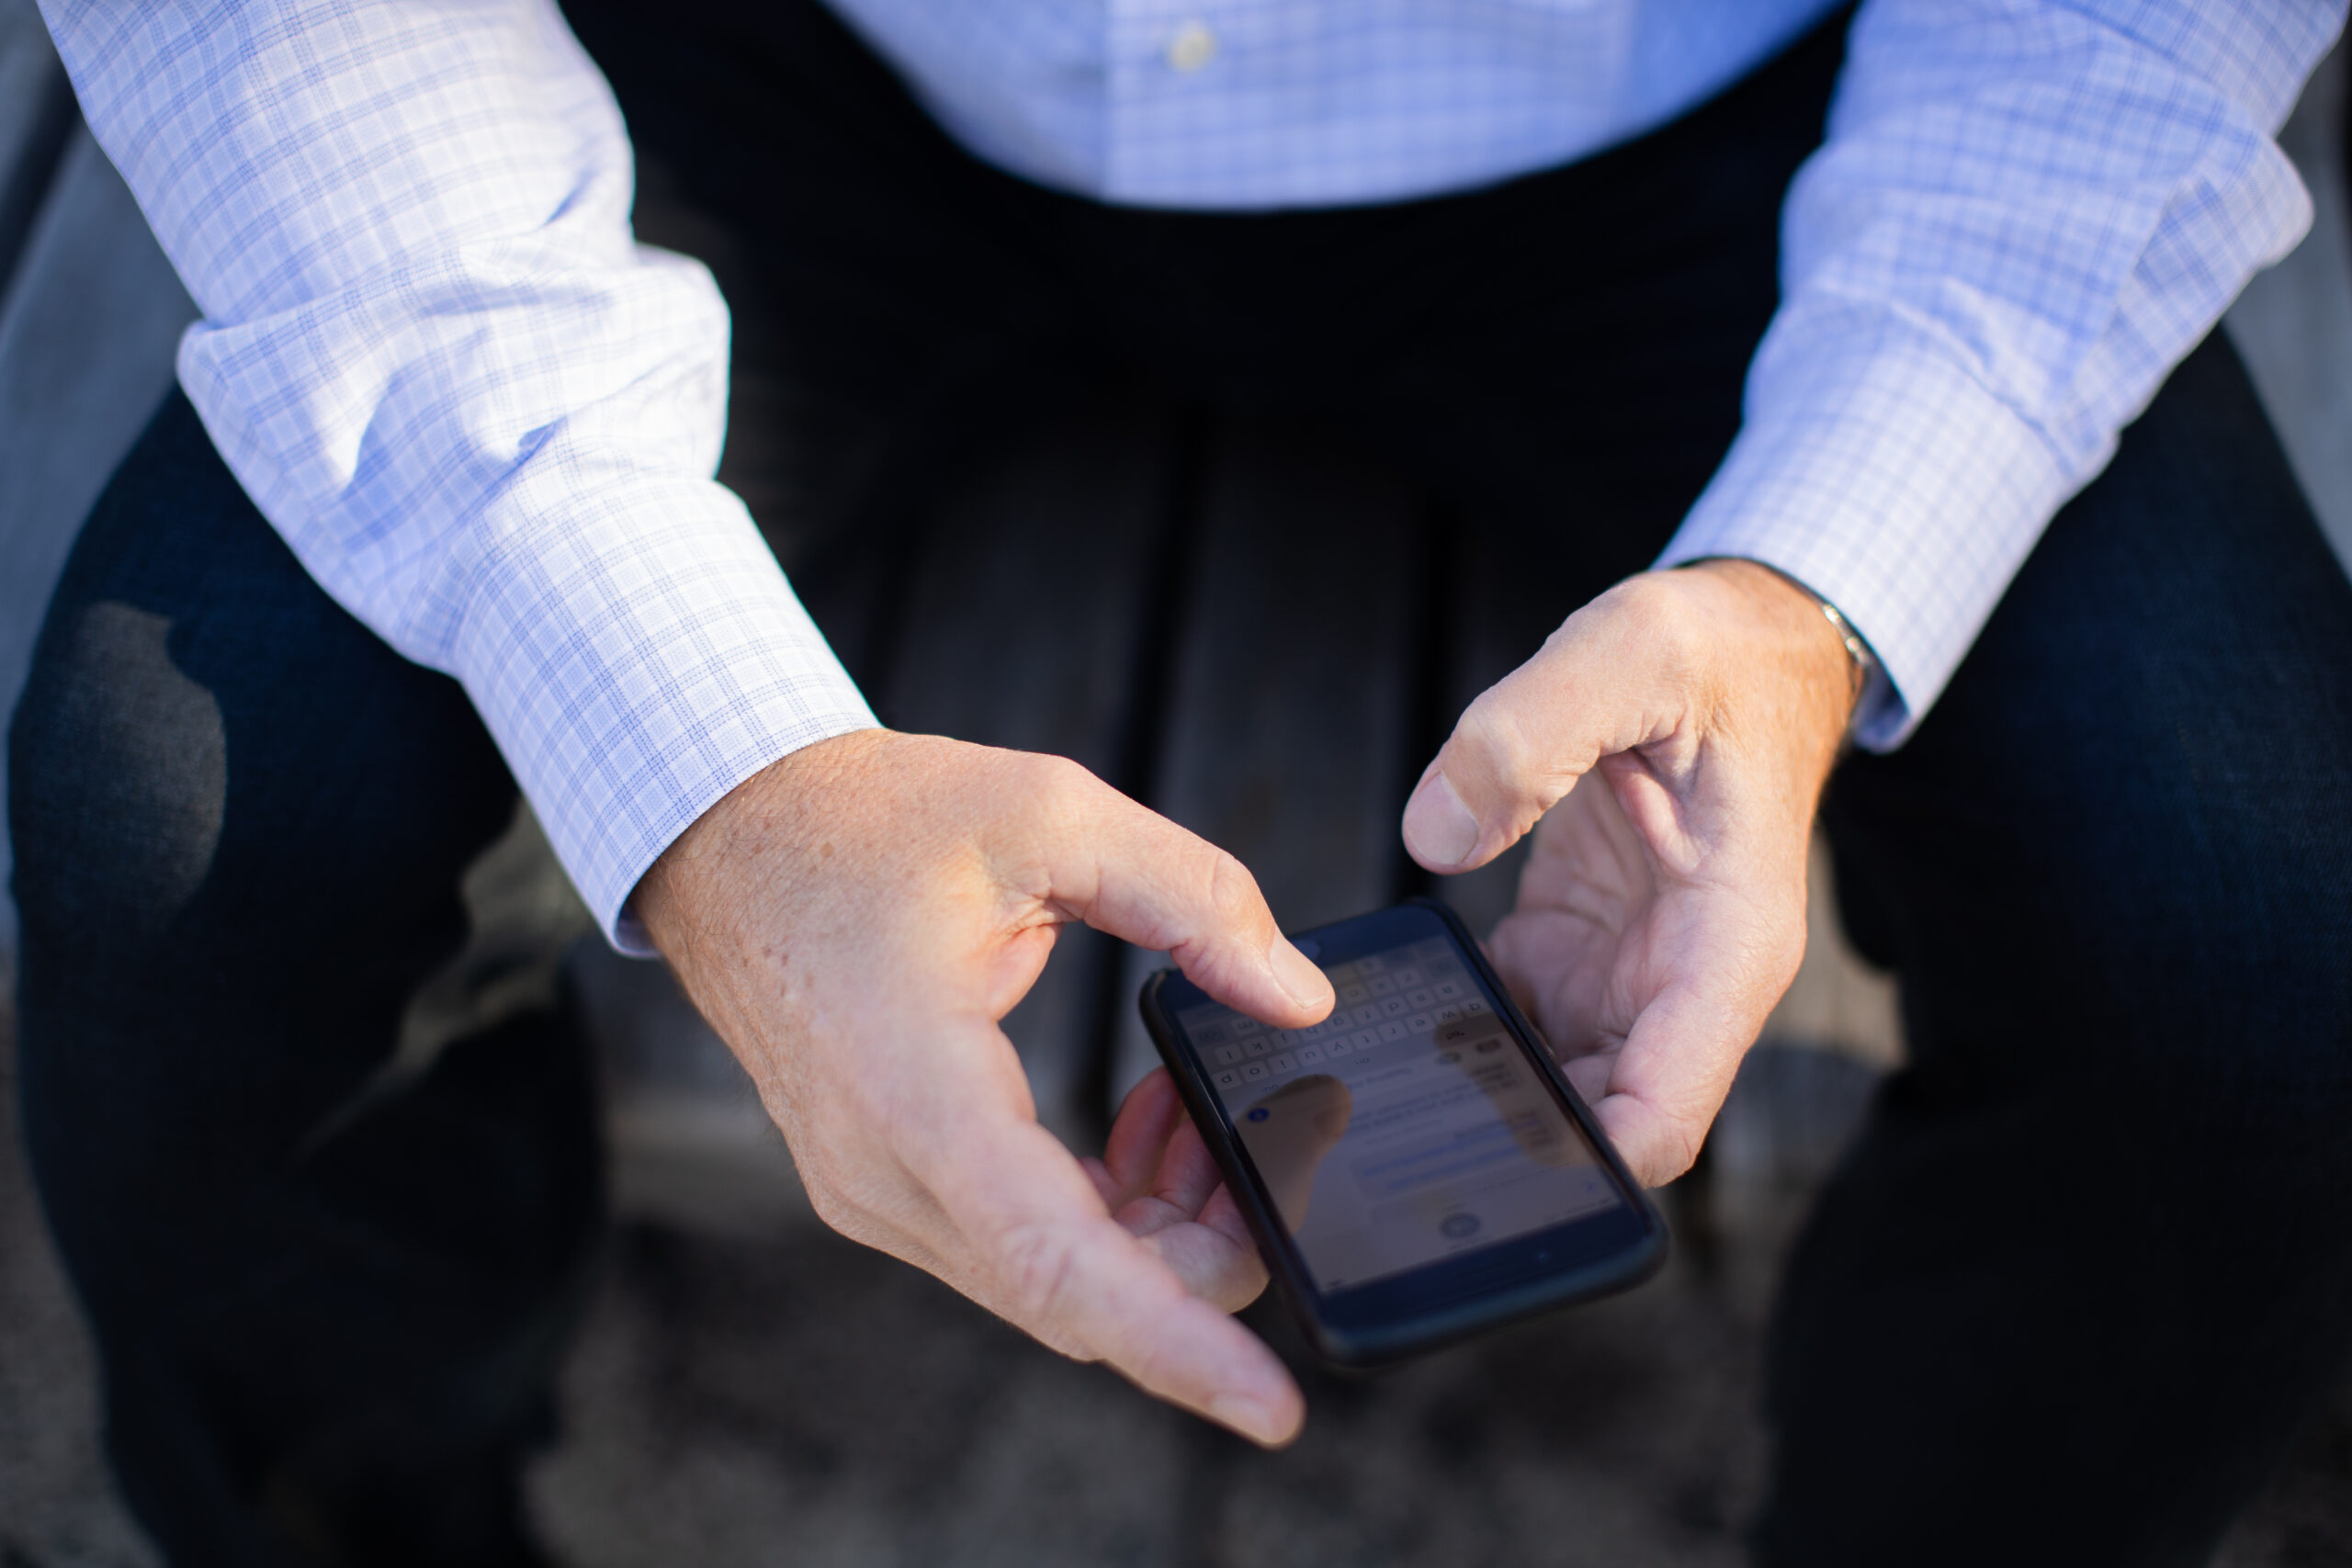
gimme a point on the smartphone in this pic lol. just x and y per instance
(1416, 1168)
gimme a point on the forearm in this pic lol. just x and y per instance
(2023, 217)
(480, 414)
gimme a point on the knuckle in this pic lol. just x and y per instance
(1786, 961)
(833, 1207)
(1672, 1150)
(1648, 596)
(1683, 1143)
(1655, 608)
(1037, 1268)
(851, 1198)
(1059, 784)
(1154, 1368)
(1233, 895)
(1065, 777)
(1775, 946)
(1677, 627)
(1486, 730)
(1497, 745)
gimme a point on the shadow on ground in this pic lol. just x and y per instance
(766, 1393)
(830, 1406)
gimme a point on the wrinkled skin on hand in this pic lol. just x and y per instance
(1667, 747)
(856, 920)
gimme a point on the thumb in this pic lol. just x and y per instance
(1481, 793)
(1521, 746)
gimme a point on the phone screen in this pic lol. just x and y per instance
(1408, 1127)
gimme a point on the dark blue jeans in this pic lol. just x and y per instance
(327, 1331)
(2066, 1302)
(2101, 1225)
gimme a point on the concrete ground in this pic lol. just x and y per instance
(757, 1391)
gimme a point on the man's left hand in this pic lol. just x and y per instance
(1668, 746)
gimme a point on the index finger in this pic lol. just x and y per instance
(1041, 1250)
(1670, 1077)
(1135, 875)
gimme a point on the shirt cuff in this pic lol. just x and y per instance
(635, 662)
(1886, 479)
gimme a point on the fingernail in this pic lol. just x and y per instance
(1245, 1416)
(1298, 975)
(1439, 829)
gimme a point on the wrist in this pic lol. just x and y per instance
(1828, 648)
(1795, 683)
(766, 813)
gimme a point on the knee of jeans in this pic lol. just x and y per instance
(118, 778)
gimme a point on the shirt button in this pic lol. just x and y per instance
(1193, 47)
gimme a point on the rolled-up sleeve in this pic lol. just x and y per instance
(481, 415)
(2026, 214)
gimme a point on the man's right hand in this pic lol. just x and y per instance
(856, 919)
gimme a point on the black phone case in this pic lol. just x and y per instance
(1456, 1321)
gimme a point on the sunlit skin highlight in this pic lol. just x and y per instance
(856, 920)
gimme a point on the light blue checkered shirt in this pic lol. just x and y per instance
(486, 420)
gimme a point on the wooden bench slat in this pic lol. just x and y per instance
(1020, 629)
(1289, 713)
(1495, 616)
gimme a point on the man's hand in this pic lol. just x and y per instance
(1672, 739)
(855, 919)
